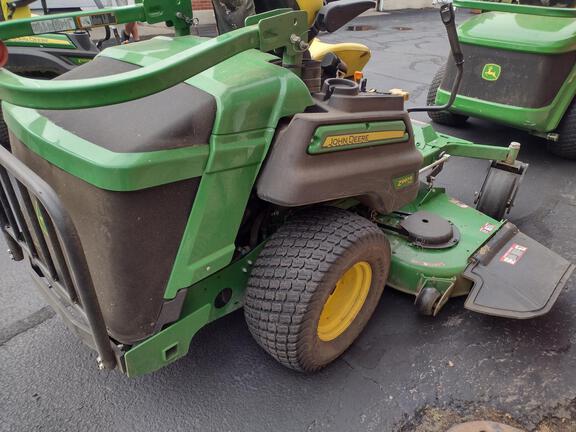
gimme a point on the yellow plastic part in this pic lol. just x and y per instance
(21, 12)
(345, 302)
(353, 54)
(311, 7)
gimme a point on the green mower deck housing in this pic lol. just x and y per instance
(152, 190)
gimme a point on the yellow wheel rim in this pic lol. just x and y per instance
(344, 303)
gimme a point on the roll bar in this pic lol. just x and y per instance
(279, 29)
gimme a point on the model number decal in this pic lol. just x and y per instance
(360, 138)
(403, 181)
(53, 25)
(513, 254)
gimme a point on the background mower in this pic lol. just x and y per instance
(520, 71)
(45, 55)
(225, 173)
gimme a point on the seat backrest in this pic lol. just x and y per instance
(335, 14)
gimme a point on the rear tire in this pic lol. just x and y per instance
(565, 147)
(442, 117)
(292, 304)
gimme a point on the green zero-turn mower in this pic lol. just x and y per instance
(42, 55)
(173, 181)
(520, 71)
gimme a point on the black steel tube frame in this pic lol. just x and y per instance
(68, 254)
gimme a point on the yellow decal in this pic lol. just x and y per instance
(404, 181)
(41, 40)
(360, 138)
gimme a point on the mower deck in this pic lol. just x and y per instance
(499, 266)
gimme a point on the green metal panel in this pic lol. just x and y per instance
(433, 144)
(249, 94)
(199, 309)
(490, 5)
(361, 131)
(97, 165)
(516, 32)
(545, 119)
(208, 242)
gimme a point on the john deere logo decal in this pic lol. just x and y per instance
(361, 138)
(491, 72)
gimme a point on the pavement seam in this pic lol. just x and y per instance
(25, 324)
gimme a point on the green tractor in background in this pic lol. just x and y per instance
(520, 71)
(45, 55)
(236, 172)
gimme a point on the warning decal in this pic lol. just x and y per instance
(53, 25)
(514, 254)
(487, 228)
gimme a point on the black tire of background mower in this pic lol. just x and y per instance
(297, 271)
(4, 137)
(565, 147)
(496, 193)
(442, 117)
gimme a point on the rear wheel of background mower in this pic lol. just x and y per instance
(315, 286)
(565, 147)
(442, 117)
(496, 193)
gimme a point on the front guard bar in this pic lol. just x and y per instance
(59, 227)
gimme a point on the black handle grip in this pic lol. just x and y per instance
(449, 20)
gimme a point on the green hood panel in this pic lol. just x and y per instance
(519, 32)
(251, 94)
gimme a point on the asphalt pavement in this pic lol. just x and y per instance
(405, 372)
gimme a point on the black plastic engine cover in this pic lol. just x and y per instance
(292, 177)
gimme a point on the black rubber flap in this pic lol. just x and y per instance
(515, 276)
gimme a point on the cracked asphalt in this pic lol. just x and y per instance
(405, 373)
